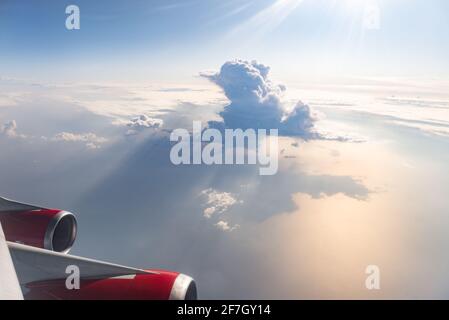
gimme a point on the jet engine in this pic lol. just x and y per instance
(159, 285)
(49, 229)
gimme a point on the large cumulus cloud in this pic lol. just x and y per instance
(255, 101)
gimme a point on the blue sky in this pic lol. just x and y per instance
(172, 40)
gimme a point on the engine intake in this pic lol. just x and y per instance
(43, 228)
(61, 232)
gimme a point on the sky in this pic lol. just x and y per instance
(361, 106)
(171, 40)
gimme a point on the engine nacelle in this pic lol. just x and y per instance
(161, 285)
(49, 229)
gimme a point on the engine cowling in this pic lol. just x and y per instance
(49, 229)
(161, 285)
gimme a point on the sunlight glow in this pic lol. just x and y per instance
(353, 6)
(269, 18)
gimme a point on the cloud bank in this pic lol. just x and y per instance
(255, 101)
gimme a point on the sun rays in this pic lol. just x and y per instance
(268, 18)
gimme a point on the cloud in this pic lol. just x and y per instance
(91, 140)
(142, 122)
(9, 129)
(224, 226)
(217, 202)
(433, 128)
(255, 101)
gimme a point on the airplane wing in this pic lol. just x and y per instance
(7, 205)
(42, 274)
(9, 284)
(34, 263)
